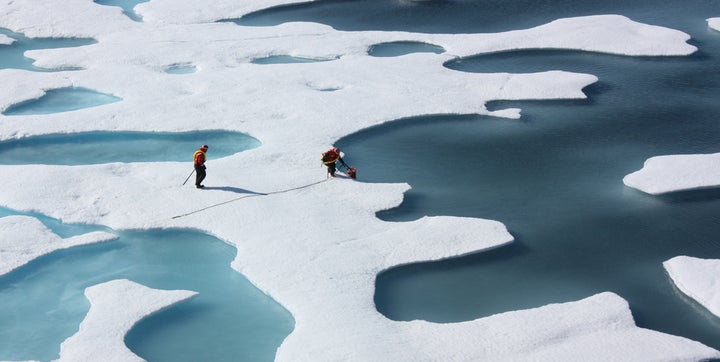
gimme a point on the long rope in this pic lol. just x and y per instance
(246, 196)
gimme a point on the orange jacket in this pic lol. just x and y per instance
(199, 157)
(330, 156)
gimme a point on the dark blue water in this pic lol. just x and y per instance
(106, 147)
(475, 16)
(555, 176)
(12, 56)
(42, 303)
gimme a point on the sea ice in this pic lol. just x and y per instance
(698, 278)
(6, 40)
(315, 245)
(714, 23)
(115, 306)
(24, 238)
(663, 174)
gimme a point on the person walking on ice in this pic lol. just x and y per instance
(199, 163)
(330, 157)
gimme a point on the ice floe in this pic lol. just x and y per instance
(6, 40)
(663, 174)
(698, 279)
(115, 307)
(714, 23)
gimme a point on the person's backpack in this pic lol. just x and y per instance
(330, 156)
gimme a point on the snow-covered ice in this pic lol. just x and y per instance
(115, 306)
(317, 249)
(698, 278)
(663, 174)
(714, 23)
(6, 40)
(24, 238)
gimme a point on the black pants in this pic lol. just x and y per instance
(331, 168)
(199, 174)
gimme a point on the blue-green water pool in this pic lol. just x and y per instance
(12, 56)
(105, 147)
(229, 320)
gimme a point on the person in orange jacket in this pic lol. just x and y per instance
(199, 163)
(329, 158)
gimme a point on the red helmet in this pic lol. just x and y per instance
(204, 147)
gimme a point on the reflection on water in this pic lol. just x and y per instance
(43, 303)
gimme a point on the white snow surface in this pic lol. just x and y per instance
(671, 173)
(318, 249)
(24, 238)
(115, 307)
(6, 40)
(714, 23)
(698, 278)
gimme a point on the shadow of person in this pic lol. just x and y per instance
(236, 190)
